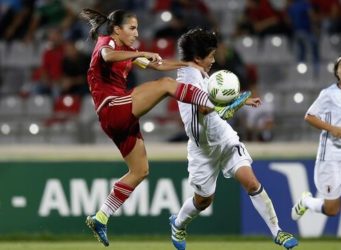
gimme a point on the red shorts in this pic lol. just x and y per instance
(120, 125)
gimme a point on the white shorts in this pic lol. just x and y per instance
(327, 177)
(206, 162)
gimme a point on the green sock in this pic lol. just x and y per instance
(101, 217)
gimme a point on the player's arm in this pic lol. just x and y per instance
(167, 65)
(111, 55)
(319, 124)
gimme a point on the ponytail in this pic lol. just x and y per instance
(97, 19)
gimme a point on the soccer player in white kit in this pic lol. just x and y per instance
(325, 114)
(214, 147)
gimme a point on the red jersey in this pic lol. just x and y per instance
(52, 62)
(261, 12)
(108, 79)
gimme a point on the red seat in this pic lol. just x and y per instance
(161, 5)
(64, 108)
(67, 104)
(165, 47)
(141, 45)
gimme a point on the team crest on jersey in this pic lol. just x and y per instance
(112, 44)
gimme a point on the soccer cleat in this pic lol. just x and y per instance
(227, 112)
(299, 209)
(178, 234)
(99, 229)
(286, 240)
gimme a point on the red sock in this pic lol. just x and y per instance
(116, 198)
(188, 93)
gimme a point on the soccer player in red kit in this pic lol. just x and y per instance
(119, 109)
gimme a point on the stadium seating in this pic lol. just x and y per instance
(274, 58)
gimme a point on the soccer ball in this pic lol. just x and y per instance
(223, 87)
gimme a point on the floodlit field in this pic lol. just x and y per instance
(163, 245)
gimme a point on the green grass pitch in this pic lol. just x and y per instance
(165, 245)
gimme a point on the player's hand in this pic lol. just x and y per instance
(254, 102)
(336, 131)
(153, 57)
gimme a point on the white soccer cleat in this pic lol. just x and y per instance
(299, 209)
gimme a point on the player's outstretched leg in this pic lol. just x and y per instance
(178, 234)
(227, 112)
(99, 229)
(286, 240)
(299, 208)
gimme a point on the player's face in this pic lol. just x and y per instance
(207, 62)
(128, 33)
(338, 71)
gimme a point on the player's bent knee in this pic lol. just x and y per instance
(331, 211)
(144, 174)
(252, 187)
(203, 203)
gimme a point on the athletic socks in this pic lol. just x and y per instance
(314, 204)
(102, 217)
(263, 205)
(186, 214)
(114, 201)
(188, 93)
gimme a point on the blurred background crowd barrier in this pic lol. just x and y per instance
(281, 50)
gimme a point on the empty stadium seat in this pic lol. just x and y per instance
(39, 105)
(276, 49)
(11, 105)
(248, 48)
(87, 112)
(63, 133)
(330, 47)
(9, 131)
(2, 54)
(32, 131)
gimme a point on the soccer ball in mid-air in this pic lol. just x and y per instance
(223, 87)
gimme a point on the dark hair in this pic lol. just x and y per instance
(196, 43)
(97, 19)
(336, 65)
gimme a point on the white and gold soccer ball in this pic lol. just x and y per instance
(223, 87)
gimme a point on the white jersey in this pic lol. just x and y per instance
(327, 107)
(202, 129)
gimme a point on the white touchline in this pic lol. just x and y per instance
(19, 201)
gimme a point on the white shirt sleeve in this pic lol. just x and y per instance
(190, 75)
(320, 105)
